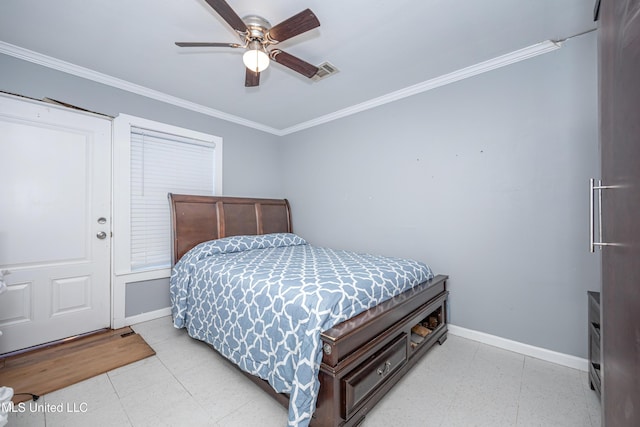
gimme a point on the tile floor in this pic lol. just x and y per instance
(461, 383)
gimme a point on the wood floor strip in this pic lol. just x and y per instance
(46, 370)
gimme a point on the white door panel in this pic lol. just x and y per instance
(55, 186)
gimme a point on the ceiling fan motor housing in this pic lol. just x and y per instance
(257, 26)
(258, 35)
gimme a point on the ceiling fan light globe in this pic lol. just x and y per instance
(256, 60)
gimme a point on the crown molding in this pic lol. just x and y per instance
(86, 73)
(464, 73)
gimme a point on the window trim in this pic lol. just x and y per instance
(122, 179)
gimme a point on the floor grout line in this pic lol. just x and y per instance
(461, 358)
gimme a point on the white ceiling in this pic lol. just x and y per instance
(379, 46)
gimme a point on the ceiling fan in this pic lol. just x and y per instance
(258, 37)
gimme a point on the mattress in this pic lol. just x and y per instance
(262, 302)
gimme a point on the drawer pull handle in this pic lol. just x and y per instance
(386, 369)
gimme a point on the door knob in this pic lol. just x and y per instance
(101, 235)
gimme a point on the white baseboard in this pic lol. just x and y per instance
(518, 347)
(493, 340)
(145, 317)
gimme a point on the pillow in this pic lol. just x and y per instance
(240, 244)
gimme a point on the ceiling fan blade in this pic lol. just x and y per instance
(228, 14)
(297, 24)
(294, 63)
(252, 78)
(206, 44)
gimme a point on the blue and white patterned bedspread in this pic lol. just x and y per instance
(262, 302)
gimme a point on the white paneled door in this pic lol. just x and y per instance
(55, 226)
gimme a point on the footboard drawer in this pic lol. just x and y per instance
(365, 378)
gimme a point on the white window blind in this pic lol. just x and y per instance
(162, 163)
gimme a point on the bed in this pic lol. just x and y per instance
(325, 348)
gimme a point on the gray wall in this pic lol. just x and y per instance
(485, 179)
(250, 158)
(251, 164)
(146, 296)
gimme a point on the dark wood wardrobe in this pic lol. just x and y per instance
(619, 94)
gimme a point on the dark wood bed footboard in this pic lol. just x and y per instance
(354, 378)
(363, 357)
(366, 355)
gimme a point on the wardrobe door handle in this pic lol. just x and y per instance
(596, 185)
(592, 185)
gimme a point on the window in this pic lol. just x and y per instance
(162, 163)
(151, 160)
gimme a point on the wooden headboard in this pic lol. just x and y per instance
(196, 219)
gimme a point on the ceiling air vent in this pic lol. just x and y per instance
(325, 70)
